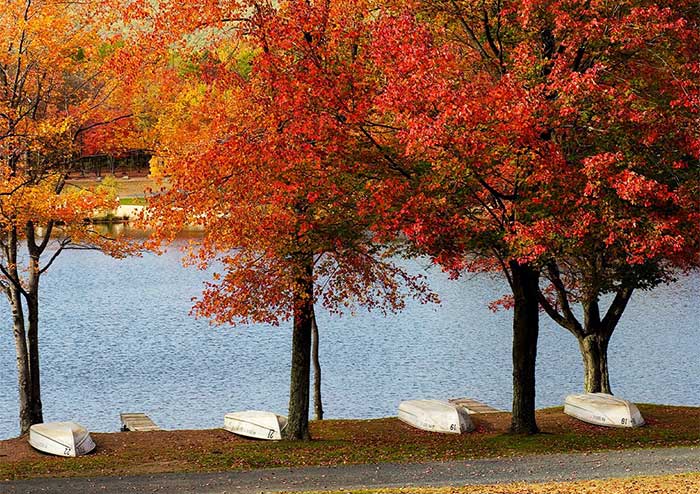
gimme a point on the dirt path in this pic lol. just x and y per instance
(541, 468)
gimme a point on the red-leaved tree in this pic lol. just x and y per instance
(554, 133)
(255, 134)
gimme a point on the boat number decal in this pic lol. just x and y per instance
(67, 451)
(270, 434)
(623, 421)
(453, 427)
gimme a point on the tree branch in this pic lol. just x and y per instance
(60, 249)
(617, 307)
(100, 124)
(574, 329)
(392, 163)
(554, 276)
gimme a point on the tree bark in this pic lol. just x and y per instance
(36, 409)
(15, 298)
(23, 374)
(32, 298)
(524, 283)
(298, 419)
(594, 351)
(594, 342)
(318, 403)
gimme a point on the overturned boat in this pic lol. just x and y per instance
(61, 438)
(435, 416)
(256, 424)
(603, 409)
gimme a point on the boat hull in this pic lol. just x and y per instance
(61, 438)
(256, 424)
(435, 416)
(603, 409)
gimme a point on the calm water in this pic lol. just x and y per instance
(116, 336)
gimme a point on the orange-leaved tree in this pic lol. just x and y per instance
(54, 93)
(258, 135)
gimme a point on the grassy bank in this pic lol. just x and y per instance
(132, 201)
(132, 187)
(339, 442)
(666, 484)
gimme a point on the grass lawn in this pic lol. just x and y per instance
(668, 484)
(338, 442)
(132, 201)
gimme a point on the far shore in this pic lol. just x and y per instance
(126, 186)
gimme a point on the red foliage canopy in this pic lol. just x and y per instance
(260, 142)
(548, 126)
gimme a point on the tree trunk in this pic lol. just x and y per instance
(594, 350)
(36, 411)
(15, 299)
(32, 298)
(318, 404)
(23, 374)
(298, 419)
(594, 334)
(524, 280)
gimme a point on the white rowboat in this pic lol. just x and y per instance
(603, 409)
(435, 416)
(61, 438)
(256, 424)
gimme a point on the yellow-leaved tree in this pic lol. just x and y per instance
(57, 102)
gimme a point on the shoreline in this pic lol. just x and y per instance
(344, 442)
(544, 410)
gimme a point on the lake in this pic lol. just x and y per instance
(116, 337)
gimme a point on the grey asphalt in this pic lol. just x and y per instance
(540, 468)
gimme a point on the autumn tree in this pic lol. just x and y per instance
(493, 142)
(466, 110)
(632, 123)
(52, 97)
(254, 135)
(539, 123)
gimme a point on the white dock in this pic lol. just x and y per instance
(137, 422)
(474, 406)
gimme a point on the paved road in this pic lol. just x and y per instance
(560, 467)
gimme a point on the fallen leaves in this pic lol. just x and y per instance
(669, 484)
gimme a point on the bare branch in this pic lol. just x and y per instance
(60, 249)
